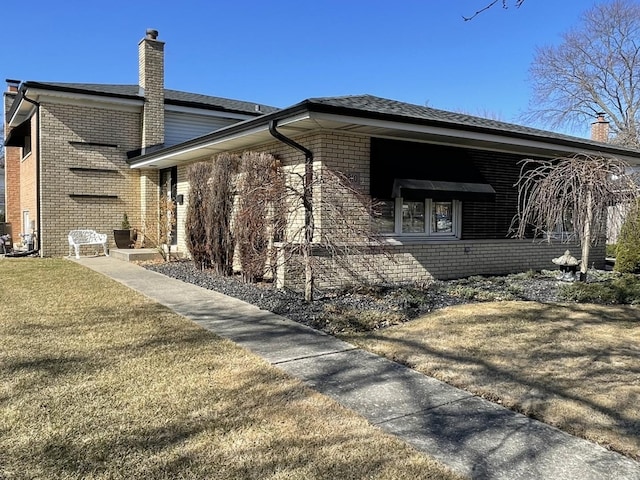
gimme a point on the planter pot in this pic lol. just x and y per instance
(123, 238)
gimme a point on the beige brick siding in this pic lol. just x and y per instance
(401, 261)
(439, 260)
(28, 188)
(71, 170)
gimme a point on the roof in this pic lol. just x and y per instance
(171, 97)
(370, 104)
(381, 117)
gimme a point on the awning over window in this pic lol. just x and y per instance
(16, 136)
(420, 170)
(419, 189)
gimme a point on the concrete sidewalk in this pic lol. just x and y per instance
(471, 435)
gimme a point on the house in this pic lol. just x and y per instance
(67, 146)
(445, 180)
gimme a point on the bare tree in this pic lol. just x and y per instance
(577, 191)
(505, 4)
(159, 223)
(342, 216)
(595, 69)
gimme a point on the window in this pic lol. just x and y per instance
(26, 147)
(384, 221)
(563, 230)
(432, 218)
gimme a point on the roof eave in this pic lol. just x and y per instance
(518, 140)
(218, 108)
(234, 129)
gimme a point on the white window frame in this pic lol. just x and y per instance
(456, 225)
(26, 222)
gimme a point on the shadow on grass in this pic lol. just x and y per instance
(463, 361)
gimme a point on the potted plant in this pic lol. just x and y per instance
(123, 237)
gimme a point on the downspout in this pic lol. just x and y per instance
(38, 190)
(307, 202)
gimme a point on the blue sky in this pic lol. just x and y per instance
(280, 52)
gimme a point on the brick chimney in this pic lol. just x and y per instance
(151, 83)
(10, 95)
(600, 129)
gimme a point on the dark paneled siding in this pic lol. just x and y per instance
(492, 220)
(480, 220)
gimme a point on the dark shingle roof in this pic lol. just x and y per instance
(173, 97)
(384, 107)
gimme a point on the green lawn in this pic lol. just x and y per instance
(97, 381)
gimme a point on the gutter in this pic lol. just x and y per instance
(307, 203)
(308, 154)
(38, 189)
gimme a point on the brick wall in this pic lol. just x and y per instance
(12, 157)
(28, 187)
(421, 262)
(410, 260)
(86, 182)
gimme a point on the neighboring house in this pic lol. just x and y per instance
(446, 180)
(67, 146)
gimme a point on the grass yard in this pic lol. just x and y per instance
(573, 366)
(97, 382)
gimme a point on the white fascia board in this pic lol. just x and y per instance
(481, 137)
(200, 146)
(24, 111)
(204, 145)
(283, 122)
(70, 98)
(207, 112)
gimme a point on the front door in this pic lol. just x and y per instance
(169, 190)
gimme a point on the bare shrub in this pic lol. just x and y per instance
(198, 176)
(218, 213)
(159, 222)
(343, 216)
(260, 189)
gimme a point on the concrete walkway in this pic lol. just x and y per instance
(473, 436)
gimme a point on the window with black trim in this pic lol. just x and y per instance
(26, 146)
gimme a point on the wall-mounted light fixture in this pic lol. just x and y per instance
(180, 199)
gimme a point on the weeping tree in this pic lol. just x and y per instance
(579, 192)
